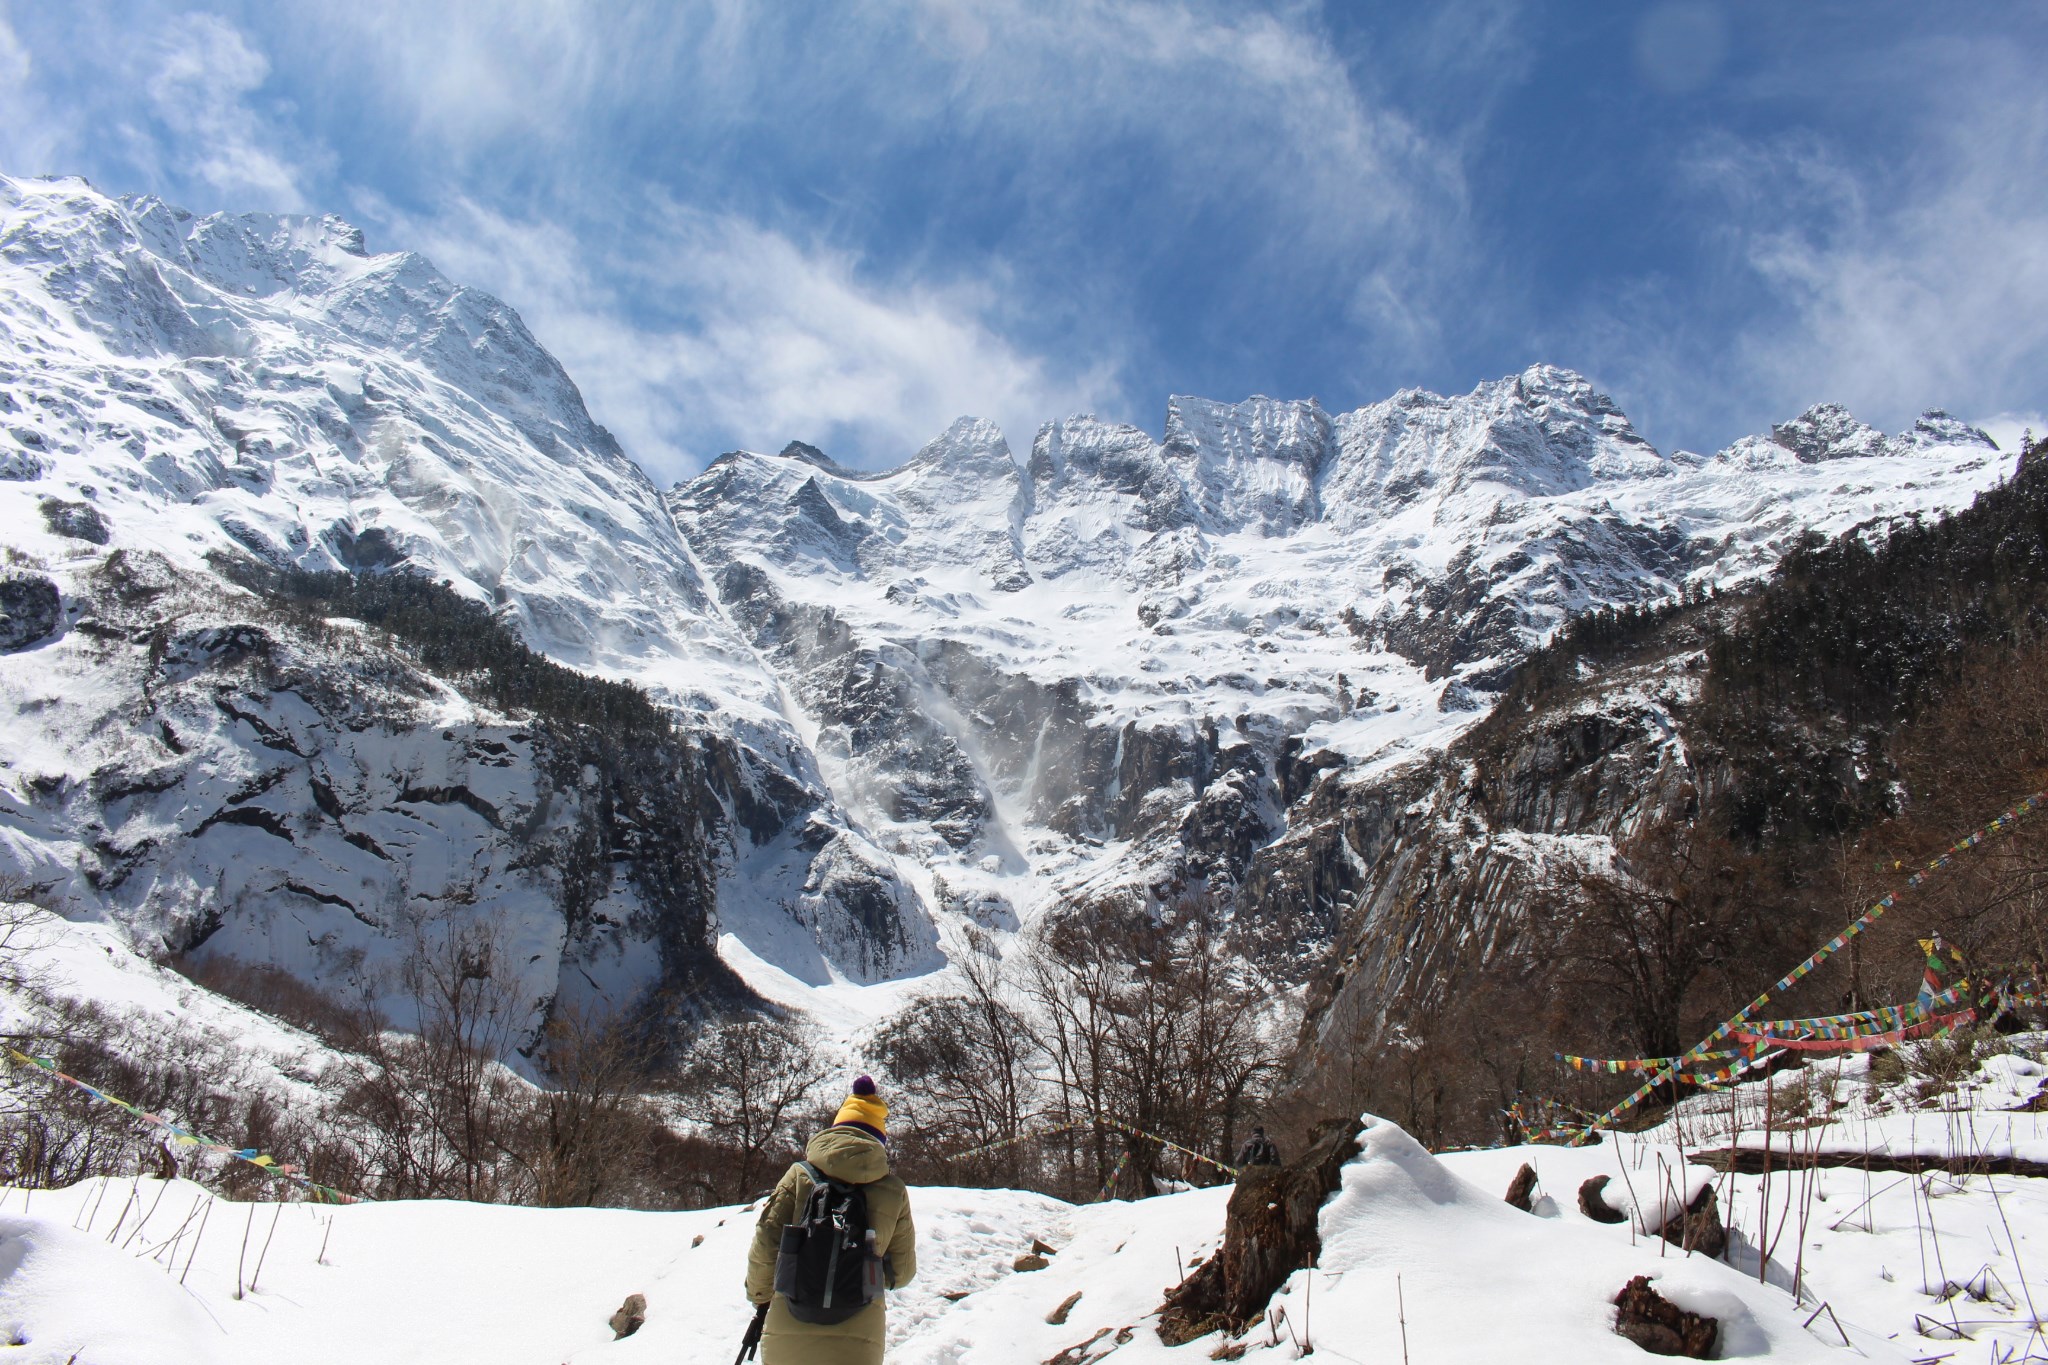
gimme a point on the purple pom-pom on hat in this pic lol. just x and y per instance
(863, 1085)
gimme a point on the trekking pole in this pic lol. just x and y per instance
(750, 1344)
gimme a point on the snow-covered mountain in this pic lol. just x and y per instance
(978, 685)
(175, 390)
(1120, 663)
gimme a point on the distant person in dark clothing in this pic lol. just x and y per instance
(1259, 1151)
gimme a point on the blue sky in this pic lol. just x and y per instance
(848, 223)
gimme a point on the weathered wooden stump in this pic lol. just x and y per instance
(1699, 1228)
(1522, 1189)
(1660, 1326)
(1269, 1232)
(1593, 1202)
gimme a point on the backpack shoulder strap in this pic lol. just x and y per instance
(820, 1180)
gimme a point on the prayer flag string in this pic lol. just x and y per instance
(185, 1137)
(1730, 1028)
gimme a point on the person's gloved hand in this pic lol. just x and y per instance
(750, 1344)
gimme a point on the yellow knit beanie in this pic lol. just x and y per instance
(865, 1109)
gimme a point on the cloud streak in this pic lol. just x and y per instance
(738, 224)
(1887, 283)
(1021, 274)
(204, 74)
(745, 334)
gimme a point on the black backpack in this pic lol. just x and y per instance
(827, 1267)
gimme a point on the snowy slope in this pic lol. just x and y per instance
(176, 388)
(262, 383)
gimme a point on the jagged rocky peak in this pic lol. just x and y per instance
(154, 281)
(1097, 491)
(1253, 465)
(1828, 431)
(263, 253)
(1084, 447)
(971, 444)
(1935, 429)
(967, 470)
(304, 403)
(1544, 432)
(809, 454)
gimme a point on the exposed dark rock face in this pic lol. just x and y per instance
(366, 551)
(78, 520)
(30, 607)
(1269, 1232)
(1661, 1327)
(1455, 619)
(305, 782)
(872, 705)
(1423, 876)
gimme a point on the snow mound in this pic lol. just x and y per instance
(1480, 1280)
(67, 1297)
(1407, 1233)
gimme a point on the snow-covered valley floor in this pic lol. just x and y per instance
(139, 1272)
(134, 1271)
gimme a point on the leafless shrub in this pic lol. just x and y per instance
(435, 1110)
(964, 1072)
(592, 1138)
(1150, 1021)
(753, 1085)
(276, 992)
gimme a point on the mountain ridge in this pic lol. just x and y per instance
(966, 691)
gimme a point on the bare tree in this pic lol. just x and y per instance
(1637, 938)
(1072, 977)
(752, 1084)
(1152, 1023)
(591, 1128)
(964, 1072)
(438, 1109)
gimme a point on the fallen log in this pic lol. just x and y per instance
(1751, 1161)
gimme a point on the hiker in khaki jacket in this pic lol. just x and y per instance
(852, 1150)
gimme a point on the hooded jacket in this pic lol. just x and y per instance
(849, 1155)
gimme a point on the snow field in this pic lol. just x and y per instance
(452, 1283)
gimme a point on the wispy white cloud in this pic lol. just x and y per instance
(31, 141)
(205, 71)
(738, 332)
(1232, 114)
(1223, 114)
(2009, 429)
(1241, 115)
(471, 76)
(1889, 284)
(1939, 296)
